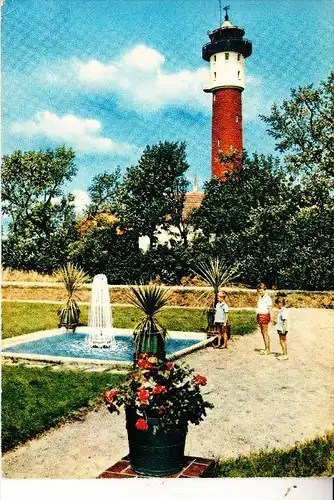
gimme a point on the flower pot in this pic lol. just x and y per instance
(152, 344)
(210, 316)
(155, 454)
(68, 319)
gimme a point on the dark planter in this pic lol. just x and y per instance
(152, 344)
(69, 318)
(159, 454)
(210, 316)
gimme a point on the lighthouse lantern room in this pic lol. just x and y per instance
(226, 52)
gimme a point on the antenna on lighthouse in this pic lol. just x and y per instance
(226, 9)
(220, 11)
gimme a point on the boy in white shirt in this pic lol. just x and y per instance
(282, 326)
(221, 319)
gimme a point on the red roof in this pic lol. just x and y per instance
(192, 200)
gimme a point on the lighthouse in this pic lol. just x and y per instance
(226, 52)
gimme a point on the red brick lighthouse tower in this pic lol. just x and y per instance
(226, 52)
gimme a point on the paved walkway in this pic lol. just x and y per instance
(259, 403)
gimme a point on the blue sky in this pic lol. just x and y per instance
(109, 77)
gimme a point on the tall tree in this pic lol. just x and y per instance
(41, 218)
(103, 192)
(31, 181)
(303, 128)
(153, 191)
(247, 214)
(227, 205)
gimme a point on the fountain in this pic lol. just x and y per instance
(100, 316)
(88, 343)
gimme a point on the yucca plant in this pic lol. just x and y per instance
(216, 274)
(72, 278)
(149, 333)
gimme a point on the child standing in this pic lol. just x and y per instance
(282, 326)
(264, 315)
(221, 319)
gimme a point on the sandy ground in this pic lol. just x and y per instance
(260, 403)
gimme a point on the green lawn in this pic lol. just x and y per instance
(19, 318)
(312, 458)
(35, 399)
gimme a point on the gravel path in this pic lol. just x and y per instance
(259, 403)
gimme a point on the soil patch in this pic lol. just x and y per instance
(179, 296)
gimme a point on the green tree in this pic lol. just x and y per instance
(247, 215)
(41, 218)
(103, 192)
(226, 205)
(303, 128)
(31, 181)
(104, 250)
(309, 262)
(153, 191)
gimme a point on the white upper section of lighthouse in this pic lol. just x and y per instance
(227, 69)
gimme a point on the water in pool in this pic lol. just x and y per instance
(76, 345)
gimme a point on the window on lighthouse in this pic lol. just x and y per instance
(238, 57)
(214, 75)
(215, 58)
(239, 75)
(227, 55)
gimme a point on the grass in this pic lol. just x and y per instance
(20, 318)
(36, 399)
(312, 458)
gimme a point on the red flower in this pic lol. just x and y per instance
(170, 365)
(141, 424)
(158, 389)
(109, 395)
(146, 365)
(143, 394)
(199, 380)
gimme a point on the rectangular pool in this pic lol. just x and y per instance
(75, 345)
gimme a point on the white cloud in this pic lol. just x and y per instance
(95, 72)
(138, 78)
(81, 133)
(143, 57)
(176, 89)
(81, 200)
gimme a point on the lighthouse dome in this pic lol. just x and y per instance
(226, 25)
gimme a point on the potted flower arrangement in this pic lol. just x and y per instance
(149, 334)
(160, 399)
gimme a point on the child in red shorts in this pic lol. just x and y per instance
(264, 315)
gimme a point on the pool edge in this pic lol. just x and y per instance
(64, 360)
